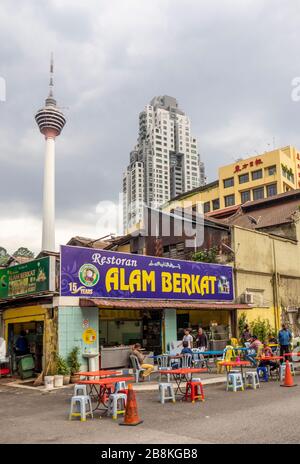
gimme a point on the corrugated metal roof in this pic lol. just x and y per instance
(108, 303)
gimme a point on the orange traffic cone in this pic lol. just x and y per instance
(288, 379)
(131, 412)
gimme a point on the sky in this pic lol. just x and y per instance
(229, 63)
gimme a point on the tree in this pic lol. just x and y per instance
(3, 256)
(22, 251)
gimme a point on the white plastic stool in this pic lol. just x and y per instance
(252, 380)
(116, 404)
(282, 370)
(196, 380)
(235, 381)
(80, 390)
(79, 407)
(166, 392)
(120, 386)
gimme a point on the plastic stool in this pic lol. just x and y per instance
(252, 380)
(194, 391)
(80, 390)
(166, 392)
(262, 373)
(235, 381)
(282, 370)
(116, 404)
(79, 407)
(121, 388)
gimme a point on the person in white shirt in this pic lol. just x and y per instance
(187, 338)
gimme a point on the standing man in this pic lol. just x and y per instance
(284, 339)
(201, 340)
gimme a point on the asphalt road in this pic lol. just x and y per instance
(268, 415)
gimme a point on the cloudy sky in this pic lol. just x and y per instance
(230, 64)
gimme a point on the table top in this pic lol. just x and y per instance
(269, 358)
(101, 373)
(184, 370)
(210, 353)
(106, 381)
(235, 363)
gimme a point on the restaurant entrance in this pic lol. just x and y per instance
(126, 327)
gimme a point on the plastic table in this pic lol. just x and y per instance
(184, 374)
(106, 387)
(240, 364)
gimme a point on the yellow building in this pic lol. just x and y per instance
(254, 178)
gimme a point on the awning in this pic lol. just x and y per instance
(158, 304)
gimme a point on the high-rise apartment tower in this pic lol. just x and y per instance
(164, 163)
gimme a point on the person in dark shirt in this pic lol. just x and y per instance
(201, 340)
(186, 349)
(22, 344)
(246, 335)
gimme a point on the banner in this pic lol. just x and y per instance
(91, 273)
(36, 276)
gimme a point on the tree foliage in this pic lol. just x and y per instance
(23, 251)
(206, 256)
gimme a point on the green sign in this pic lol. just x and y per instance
(36, 276)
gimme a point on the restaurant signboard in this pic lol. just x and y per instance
(91, 273)
(33, 277)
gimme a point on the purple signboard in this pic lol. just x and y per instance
(91, 273)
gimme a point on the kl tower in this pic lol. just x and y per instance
(51, 121)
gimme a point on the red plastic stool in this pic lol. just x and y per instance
(194, 391)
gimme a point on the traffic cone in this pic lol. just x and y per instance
(131, 412)
(288, 379)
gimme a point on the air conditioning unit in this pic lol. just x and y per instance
(248, 298)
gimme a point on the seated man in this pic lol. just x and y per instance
(136, 351)
(185, 350)
(267, 351)
(255, 346)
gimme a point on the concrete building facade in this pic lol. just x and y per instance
(260, 176)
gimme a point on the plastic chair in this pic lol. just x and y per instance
(166, 392)
(194, 391)
(228, 355)
(186, 360)
(116, 404)
(234, 342)
(137, 369)
(235, 381)
(252, 380)
(163, 364)
(79, 407)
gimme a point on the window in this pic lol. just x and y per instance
(258, 193)
(228, 182)
(257, 174)
(229, 200)
(244, 178)
(271, 170)
(216, 204)
(245, 196)
(271, 190)
(206, 207)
